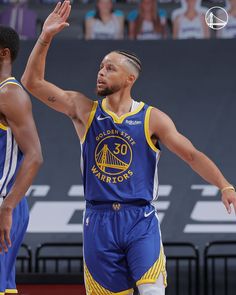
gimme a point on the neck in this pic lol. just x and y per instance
(105, 16)
(191, 12)
(5, 71)
(119, 104)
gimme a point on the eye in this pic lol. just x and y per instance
(110, 68)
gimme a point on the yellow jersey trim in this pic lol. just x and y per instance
(10, 78)
(14, 83)
(3, 127)
(94, 288)
(153, 273)
(119, 120)
(146, 130)
(147, 281)
(90, 119)
(4, 82)
(14, 291)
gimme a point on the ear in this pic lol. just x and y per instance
(131, 79)
(5, 52)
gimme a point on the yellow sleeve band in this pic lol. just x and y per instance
(90, 119)
(146, 129)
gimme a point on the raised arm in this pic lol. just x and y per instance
(74, 104)
(163, 128)
(15, 106)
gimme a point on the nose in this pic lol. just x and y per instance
(101, 72)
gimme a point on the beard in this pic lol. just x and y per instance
(107, 91)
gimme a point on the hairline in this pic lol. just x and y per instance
(129, 62)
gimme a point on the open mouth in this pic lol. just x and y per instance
(100, 83)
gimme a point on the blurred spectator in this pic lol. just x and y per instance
(229, 31)
(104, 22)
(147, 22)
(189, 21)
(18, 16)
(51, 1)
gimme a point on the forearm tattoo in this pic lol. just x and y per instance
(51, 98)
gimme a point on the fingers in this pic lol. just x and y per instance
(234, 204)
(67, 13)
(7, 238)
(63, 8)
(227, 206)
(57, 7)
(3, 243)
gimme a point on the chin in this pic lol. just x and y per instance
(104, 92)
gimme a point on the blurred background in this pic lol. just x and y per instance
(189, 72)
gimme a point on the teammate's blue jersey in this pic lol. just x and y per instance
(119, 160)
(10, 154)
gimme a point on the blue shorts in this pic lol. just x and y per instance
(7, 260)
(122, 247)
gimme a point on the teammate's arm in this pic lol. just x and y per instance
(15, 105)
(164, 129)
(73, 104)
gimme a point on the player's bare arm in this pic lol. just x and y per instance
(15, 109)
(163, 128)
(74, 104)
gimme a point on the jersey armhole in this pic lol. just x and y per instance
(90, 119)
(3, 127)
(146, 130)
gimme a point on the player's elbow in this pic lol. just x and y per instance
(39, 160)
(35, 158)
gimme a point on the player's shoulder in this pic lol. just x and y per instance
(12, 91)
(158, 116)
(10, 84)
(154, 110)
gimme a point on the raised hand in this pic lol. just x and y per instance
(57, 20)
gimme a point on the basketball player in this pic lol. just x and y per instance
(20, 158)
(120, 151)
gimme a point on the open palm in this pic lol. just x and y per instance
(57, 20)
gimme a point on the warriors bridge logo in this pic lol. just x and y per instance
(113, 156)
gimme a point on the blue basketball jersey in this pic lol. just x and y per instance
(119, 160)
(10, 154)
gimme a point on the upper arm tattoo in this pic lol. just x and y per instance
(51, 98)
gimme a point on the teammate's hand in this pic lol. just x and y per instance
(228, 198)
(5, 228)
(57, 20)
